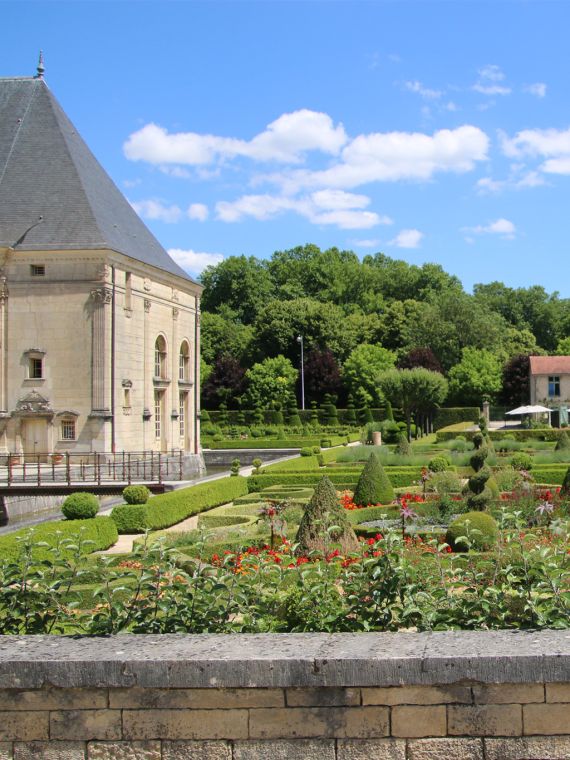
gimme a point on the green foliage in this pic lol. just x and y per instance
(477, 493)
(374, 486)
(521, 461)
(330, 411)
(173, 507)
(80, 506)
(361, 370)
(439, 464)
(473, 530)
(94, 534)
(269, 381)
(413, 390)
(403, 446)
(563, 442)
(234, 469)
(350, 414)
(477, 459)
(324, 523)
(306, 451)
(444, 483)
(565, 489)
(445, 416)
(256, 463)
(479, 373)
(137, 494)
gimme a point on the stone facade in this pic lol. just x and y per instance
(342, 697)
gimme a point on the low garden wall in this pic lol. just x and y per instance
(402, 696)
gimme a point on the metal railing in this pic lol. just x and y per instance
(96, 467)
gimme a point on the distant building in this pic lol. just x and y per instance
(99, 327)
(550, 380)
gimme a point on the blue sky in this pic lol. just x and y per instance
(431, 131)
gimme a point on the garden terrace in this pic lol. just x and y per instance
(402, 696)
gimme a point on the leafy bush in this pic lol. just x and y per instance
(324, 522)
(234, 470)
(374, 486)
(444, 417)
(320, 460)
(256, 464)
(508, 444)
(477, 492)
(137, 494)
(403, 446)
(477, 459)
(438, 464)
(80, 506)
(306, 452)
(565, 490)
(325, 443)
(563, 442)
(316, 449)
(458, 444)
(472, 530)
(444, 482)
(521, 461)
(173, 507)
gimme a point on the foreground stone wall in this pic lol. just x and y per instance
(463, 696)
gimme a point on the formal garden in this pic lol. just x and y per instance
(463, 529)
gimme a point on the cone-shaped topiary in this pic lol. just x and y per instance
(350, 414)
(325, 523)
(388, 411)
(373, 485)
(565, 489)
(563, 442)
(403, 446)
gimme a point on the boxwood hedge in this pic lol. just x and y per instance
(343, 479)
(173, 507)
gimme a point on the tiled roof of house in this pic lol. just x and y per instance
(47, 170)
(550, 365)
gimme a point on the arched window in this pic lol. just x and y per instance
(160, 357)
(184, 362)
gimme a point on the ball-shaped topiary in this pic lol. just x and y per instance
(80, 506)
(521, 461)
(137, 494)
(472, 530)
(438, 464)
(374, 486)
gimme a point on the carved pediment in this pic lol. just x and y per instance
(33, 404)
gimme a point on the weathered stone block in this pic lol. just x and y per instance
(529, 747)
(418, 720)
(123, 751)
(196, 751)
(279, 749)
(322, 697)
(508, 693)
(84, 725)
(6, 751)
(49, 751)
(206, 699)
(53, 699)
(24, 726)
(484, 720)
(315, 722)
(185, 724)
(546, 719)
(416, 695)
(458, 749)
(368, 749)
(558, 692)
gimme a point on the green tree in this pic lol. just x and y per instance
(374, 486)
(222, 334)
(270, 381)
(239, 283)
(416, 391)
(563, 347)
(361, 370)
(478, 374)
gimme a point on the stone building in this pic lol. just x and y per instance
(99, 327)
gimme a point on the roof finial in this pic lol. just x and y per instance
(41, 69)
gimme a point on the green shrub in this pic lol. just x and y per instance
(444, 482)
(374, 486)
(478, 440)
(444, 417)
(438, 464)
(458, 444)
(256, 464)
(173, 507)
(477, 493)
(137, 494)
(234, 470)
(306, 452)
(325, 443)
(316, 449)
(320, 460)
(80, 506)
(563, 442)
(403, 446)
(325, 521)
(565, 489)
(521, 461)
(94, 534)
(472, 530)
(477, 459)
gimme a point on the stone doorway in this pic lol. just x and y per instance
(35, 439)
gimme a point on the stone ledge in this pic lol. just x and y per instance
(284, 660)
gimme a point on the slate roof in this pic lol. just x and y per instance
(47, 170)
(549, 365)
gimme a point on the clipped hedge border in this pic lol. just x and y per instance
(278, 443)
(540, 434)
(342, 479)
(444, 417)
(102, 531)
(170, 508)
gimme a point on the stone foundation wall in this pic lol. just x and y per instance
(462, 696)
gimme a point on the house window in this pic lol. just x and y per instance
(157, 414)
(37, 270)
(160, 357)
(182, 414)
(128, 291)
(554, 385)
(184, 362)
(35, 368)
(68, 430)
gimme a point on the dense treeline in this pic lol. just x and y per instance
(358, 318)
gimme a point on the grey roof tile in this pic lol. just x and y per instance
(47, 170)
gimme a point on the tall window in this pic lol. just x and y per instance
(182, 413)
(35, 368)
(184, 362)
(157, 414)
(68, 429)
(128, 290)
(554, 385)
(160, 357)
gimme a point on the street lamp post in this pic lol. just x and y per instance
(300, 341)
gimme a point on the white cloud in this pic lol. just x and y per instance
(176, 171)
(334, 207)
(285, 140)
(489, 78)
(424, 92)
(194, 261)
(198, 211)
(557, 165)
(132, 182)
(489, 185)
(502, 227)
(550, 144)
(492, 72)
(491, 89)
(393, 156)
(407, 239)
(538, 89)
(519, 179)
(155, 209)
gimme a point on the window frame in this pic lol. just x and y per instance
(554, 386)
(69, 423)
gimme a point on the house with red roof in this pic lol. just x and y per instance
(550, 380)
